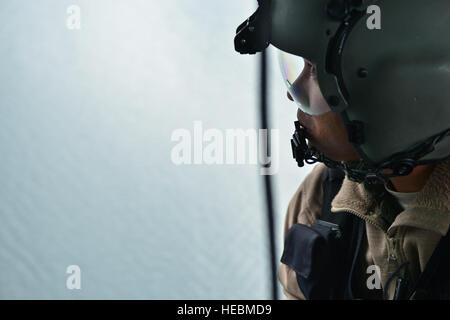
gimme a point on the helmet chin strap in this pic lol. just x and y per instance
(302, 153)
(360, 171)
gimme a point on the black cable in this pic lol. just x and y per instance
(393, 275)
(267, 178)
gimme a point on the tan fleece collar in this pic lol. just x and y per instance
(430, 210)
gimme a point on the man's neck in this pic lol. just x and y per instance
(415, 181)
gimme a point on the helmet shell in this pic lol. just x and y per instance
(402, 96)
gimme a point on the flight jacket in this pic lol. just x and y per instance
(412, 237)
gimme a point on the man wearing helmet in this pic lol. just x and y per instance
(373, 105)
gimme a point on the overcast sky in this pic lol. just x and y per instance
(86, 118)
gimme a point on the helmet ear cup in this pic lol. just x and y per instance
(398, 86)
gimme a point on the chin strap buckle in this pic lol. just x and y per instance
(299, 145)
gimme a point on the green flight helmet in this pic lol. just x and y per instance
(391, 85)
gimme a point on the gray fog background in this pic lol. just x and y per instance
(86, 178)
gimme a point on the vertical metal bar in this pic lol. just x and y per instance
(267, 178)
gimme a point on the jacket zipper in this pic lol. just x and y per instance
(359, 215)
(392, 256)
